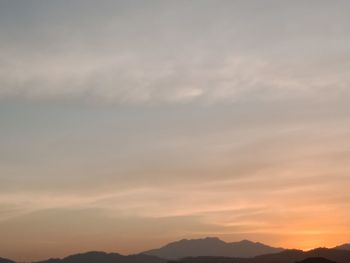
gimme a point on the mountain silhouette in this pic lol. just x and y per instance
(211, 246)
(286, 256)
(102, 257)
(4, 260)
(316, 260)
(291, 256)
(343, 247)
(207, 247)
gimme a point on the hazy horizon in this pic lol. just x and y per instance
(162, 245)
(125, 125)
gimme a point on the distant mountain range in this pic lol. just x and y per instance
(102, 257)
(319, 255)
(213, 250)
(343, 247)
(4, 260)
(316, 260)
(211, 246)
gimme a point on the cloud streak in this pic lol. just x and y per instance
(134, 79)
(113, 64)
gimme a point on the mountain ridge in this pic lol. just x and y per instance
(103, 257)
(286, 256)
(345, 246)
(211, 246)
(336, 254)
(5, 260)
(316, 260)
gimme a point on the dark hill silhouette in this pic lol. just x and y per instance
(343, 247)
(291, 256)
(316, 260)
(211, 246)
(102, 257)
(287, 256)
(206, 259)
(4, 260)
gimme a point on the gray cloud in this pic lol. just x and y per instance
(167, 53)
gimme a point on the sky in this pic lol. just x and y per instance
(125, 125)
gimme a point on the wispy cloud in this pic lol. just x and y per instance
(134, 79)
(154, 58)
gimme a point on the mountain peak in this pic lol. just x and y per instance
(186, 242)
(213, 238)
(246, 241)
(211, 246)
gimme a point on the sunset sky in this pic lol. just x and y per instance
(125, 125)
